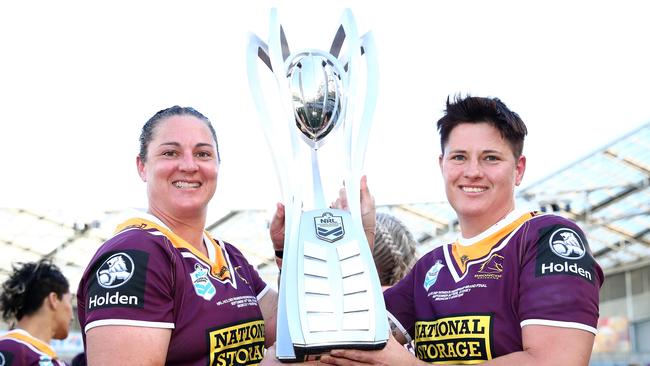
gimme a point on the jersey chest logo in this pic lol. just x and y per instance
(45, 361)
(432, 275)
(202, 284)
(491, 269)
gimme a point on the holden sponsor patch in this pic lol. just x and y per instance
(119, 280)
(6, 358)
(465, 339)
(239, 344)
(563, 251)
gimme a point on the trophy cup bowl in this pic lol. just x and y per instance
(316, 93)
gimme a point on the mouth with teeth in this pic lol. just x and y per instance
(473, 189)
(185, 185)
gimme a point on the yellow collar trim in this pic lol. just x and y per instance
(218, 268)
(24, 336)
(464, 253)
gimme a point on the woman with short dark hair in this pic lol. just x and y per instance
(37, 297)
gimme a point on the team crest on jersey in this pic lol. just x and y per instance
(115, 271)
(202, 284)
(491, 269)
(566, 243)
(432, 275)
(329, 227)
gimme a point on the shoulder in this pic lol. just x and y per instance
(132, 250)
(553, 228)
(134, 245)
(13, 352)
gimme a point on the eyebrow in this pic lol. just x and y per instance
(463, 151)
(200, 144)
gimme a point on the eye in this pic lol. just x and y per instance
(204, 154)
(169, 153)
(457, 157)
(492, 158)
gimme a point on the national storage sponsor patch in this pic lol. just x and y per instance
(462, 338)
(118, 280)
(240, 344)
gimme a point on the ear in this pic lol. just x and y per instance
(142, 169)
(440, 161)
(52, 300)
(520, 168)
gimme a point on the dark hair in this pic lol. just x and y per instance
(147, 130)
(483, 110)
(28, 285)
(394, 251)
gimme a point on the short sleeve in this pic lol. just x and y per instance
(559, 279)
(130, 281)
(400, 305)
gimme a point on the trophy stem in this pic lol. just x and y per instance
(319, 196)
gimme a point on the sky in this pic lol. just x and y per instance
(78, 79)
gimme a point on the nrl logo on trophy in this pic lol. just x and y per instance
(329, 295)
(329, 227)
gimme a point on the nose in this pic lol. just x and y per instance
(473, 169)
(188, 164)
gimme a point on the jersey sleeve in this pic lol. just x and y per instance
(130, 281)
(559, 279)
(400, 304)
(247, 273)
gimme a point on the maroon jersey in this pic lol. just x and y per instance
(19, 348)
(148, 276)
(466, 302)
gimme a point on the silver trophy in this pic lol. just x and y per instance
(330, 296)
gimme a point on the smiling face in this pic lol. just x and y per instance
(480, 174)
(180, 168)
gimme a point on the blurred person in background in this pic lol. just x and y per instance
(394, 249)
(37, 297)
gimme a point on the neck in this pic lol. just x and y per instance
(38, 326)
(190, 229)
(472, 226)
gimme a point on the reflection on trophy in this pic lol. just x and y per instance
(330, 295)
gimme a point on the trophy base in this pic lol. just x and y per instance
(330, 296)
(311, 353)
